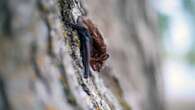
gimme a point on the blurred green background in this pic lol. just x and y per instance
(177, 27)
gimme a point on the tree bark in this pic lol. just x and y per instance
(41, 67)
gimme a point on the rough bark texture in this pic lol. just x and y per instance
(41, 67)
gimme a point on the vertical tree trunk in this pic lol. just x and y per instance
(41, 67)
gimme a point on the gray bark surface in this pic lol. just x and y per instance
(41, 67)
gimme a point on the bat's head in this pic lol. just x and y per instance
(86, 22)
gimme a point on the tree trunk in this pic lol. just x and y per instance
(41, 67)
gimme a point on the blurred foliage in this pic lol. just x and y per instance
(189, 5)
(163, 22)
(191, 57)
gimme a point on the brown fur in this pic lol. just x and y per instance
(99, 50)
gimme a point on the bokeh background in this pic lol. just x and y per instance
(177, 26)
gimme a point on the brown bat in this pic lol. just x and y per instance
(93, 48)
(99, 50)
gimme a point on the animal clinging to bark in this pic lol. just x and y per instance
(99, 49)
(93, 48)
